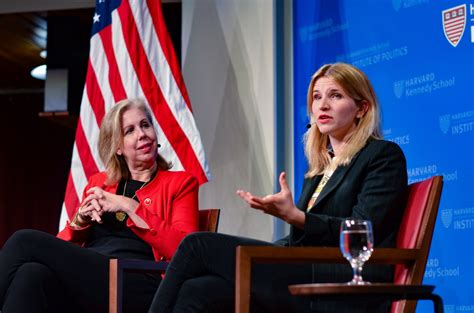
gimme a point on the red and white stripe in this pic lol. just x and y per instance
(454, 26)
(134, 57)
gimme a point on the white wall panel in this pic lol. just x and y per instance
(228, 69)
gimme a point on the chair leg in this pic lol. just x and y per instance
(243, 278)
(115, 287)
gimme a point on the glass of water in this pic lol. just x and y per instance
(357, 244)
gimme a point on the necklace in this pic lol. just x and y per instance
(120, 216)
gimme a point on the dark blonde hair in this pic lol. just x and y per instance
(357, 86)
(111, 137)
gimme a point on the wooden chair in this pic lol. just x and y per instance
(411, 252)
(208, 221)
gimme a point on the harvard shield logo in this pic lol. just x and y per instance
(399, 88)
(454, 23)
(446, 217)
(444, 123)
(304, 34)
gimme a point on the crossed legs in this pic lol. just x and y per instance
(201, 278)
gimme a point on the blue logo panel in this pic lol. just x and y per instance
(419, 55)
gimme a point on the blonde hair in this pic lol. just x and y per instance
(356, 84)
(111, 137)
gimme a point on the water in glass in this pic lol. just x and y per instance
(356, 242)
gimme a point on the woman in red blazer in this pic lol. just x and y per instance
(136, 209)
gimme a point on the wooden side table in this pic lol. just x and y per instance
(382, 291)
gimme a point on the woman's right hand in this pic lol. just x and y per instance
(90, 211)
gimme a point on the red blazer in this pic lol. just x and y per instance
(168, 204)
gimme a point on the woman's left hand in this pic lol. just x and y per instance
(110, 202)
(280, 204)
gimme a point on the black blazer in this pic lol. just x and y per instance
(372, 187)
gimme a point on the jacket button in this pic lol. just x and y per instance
(147, 201)
(152, 231)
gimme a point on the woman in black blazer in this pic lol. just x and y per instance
(352, 173)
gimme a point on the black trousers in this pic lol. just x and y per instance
(201, 278)
(42, 273)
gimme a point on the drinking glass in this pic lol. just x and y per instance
(356, 242)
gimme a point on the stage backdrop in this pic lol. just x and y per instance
(419, 55)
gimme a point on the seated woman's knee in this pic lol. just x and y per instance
(24, 236)
(194, 239)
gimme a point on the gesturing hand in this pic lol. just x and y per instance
(279, 204)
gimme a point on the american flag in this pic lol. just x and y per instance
(131, 55)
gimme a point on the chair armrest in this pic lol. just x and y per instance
(247, 255)
(116, 270)
(145, 265)
(394, 256)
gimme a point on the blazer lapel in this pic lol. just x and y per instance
(332, 183)
(336, 179)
